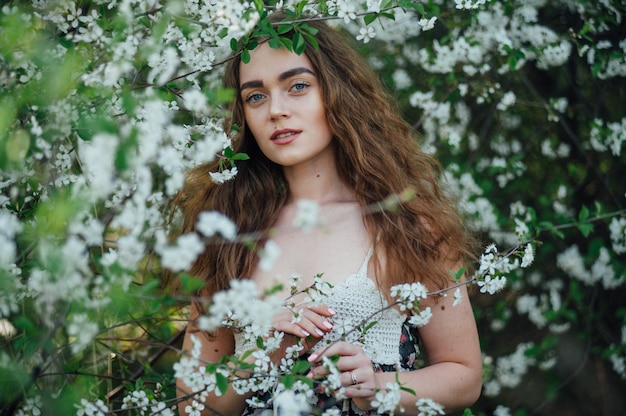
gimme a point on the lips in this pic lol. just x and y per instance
(284, 136)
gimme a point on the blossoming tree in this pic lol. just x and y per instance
(105, 104)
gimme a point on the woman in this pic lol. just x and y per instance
(318, 126)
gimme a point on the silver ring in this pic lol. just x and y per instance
(355, 380)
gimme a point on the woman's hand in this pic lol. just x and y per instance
(312, 323)
(357, 373)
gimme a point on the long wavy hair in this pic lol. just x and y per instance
(416, 239)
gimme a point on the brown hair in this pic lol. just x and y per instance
(376, 155)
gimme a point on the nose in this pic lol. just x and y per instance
(279, 107)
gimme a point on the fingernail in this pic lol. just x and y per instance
(319, 332)
(312, 358)
(328, 325)
(306, 333)
(331, 311)
(309, 374)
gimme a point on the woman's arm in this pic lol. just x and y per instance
(453, 376)
(221, 343)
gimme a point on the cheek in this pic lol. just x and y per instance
(251, 120)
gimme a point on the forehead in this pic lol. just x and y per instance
(266, 64)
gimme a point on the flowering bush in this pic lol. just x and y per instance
(105, 104)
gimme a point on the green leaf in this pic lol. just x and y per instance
(323, 7)
(23, 323)
(458, 274)
(312, 41)
(274, 43)
(234, 45)
(125, 151)
(221, 95)
(284, 28)
(189, 283)
(245, 56)
(301, 366)
(369, 326)
(410, 4)
(287, 43)
(583, 214)
(240, 156)
(300, 7)
(223, 33)
(259, 343)
(150, 286)
(305, 28)
(298, 43)
(369, 18)
(222, 382)
(585, 228)
(259, 6)
(288, 381)
(17, 145)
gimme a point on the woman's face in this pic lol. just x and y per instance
(283, 107)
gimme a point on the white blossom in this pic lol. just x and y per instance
(346, 10)
(610, 136)
(534, 308)
(619, 364)
(224, 175)
(87, 408)
(289, 402)
(269, 254)
(469, 4)
(428, 407)
(9, 227)
(502, 411)
(492, 284)
(409, 294)
(32, 407)
(82, 330)
(366, 33)
(195, 101)
(180, 255)
(387, 400)
(210, 223)
(97, 160)
(457, 297)
(427, 24)
(507, 101)
(194, 409)
(422, 318)
(617, 228)
(307, 215)
(529, 256)
(509, 370)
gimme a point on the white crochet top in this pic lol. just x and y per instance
(358, 302)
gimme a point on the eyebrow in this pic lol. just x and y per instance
(283, 76)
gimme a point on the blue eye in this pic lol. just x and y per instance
(254, 98)
(299, 86)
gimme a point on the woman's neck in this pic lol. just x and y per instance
(318, 182)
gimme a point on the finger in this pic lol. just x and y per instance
(306, 323)
(322, 310)
(314, 323)
(343, 365)
(340, 348)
